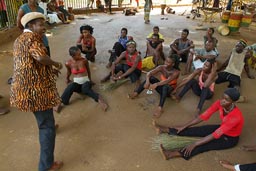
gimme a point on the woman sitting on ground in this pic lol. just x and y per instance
(169, 76)
(131, 68)
(240, 167)
(79, 67)
(214, 137)
(87, 43)
(202, 86)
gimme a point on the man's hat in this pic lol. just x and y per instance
(31, 16)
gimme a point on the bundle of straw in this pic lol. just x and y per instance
(113, 85)
(172, 142)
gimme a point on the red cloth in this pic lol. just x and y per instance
(2, 5)
(231, 124)
(130, 61)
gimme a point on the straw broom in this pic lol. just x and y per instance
(172, 142)
(113, 85)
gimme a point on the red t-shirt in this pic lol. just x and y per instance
(231, 124)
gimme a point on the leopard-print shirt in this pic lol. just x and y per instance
(34, 84)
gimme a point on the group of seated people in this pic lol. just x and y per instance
(202, 80)
(126, 62)
(55, 11)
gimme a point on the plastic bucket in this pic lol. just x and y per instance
(246, 20)
(223, 30)
(234, 21)
(225, 16)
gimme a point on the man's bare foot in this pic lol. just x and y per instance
(227, 165)
(103, 104)
(159, 129)
(133, 95)
(57, 108)
(158, 112)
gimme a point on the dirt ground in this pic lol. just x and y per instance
(118, 140)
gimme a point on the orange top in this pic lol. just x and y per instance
(172, 83)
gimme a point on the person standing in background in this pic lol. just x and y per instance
(3, 14)
(147, 8)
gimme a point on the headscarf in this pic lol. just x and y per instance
(131, 42)
(243, 42)
(233, 93)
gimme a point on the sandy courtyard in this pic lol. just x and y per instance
(118, 140)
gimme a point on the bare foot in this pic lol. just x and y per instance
(159, 129)
(133, 95)
(158, 112)
(175, 97)
(227, 165)
(56, 127)
(163, 152)
(103, 104)
(57, 108)
(105, 79)
(119, 74)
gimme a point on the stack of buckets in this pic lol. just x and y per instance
(234, 20)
